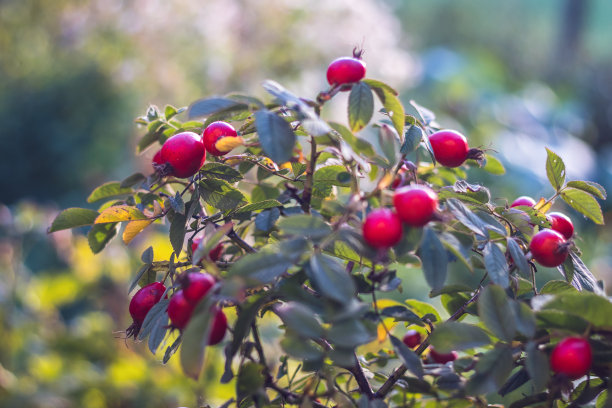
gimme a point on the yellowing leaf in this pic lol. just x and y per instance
(285, 165)
(225, 144)
(134, 228)
(120, 213)
(381, 333)
(542, 207)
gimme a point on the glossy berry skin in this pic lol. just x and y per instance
(561, 223)
(179, 310)
(415, 205)
(523, 200)
(442, 358)
(345, 71)
(144, 300)
(548, 248)
(214, 132)
(572, 357)
(196, 286)
(412, 338)
(382, 228)
(450, 148)
(218, 327)
(185, 153)
(214, 254)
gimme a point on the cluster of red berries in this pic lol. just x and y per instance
(549, 247)
(194, 286)
(183, 154)
(415, 205)
(214, 255)
(412, 339)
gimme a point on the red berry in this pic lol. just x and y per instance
(196, 286)
(572, 356)
(450, 148)
(218, 327)
(382, 228)
(179, 310)
(185, 153)
(549, 248)
(214, 254)
(523, 200)
(415, 204)
(144, 300)
(412, 338)
(214, 132)
(345, 71)
(157, 159)
(561, 223)
(442, 358)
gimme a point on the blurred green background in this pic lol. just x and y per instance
(515, 76)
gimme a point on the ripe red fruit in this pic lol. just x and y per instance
(214, 254)
(412, 338)
(561, 223)
(214, 132)
(382, 228)
(523, 200)
(549, 248)
(450, 148)
(145, 299)
(415, 204)
(218, 327)
(157, 159)
(572, 356)
(345, 71)
(179, 310)
(196, 286)
(442, 358)
(184, 153)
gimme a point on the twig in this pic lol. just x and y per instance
(307, 194)
(240, 242)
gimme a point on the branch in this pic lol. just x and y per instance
(362, 381)
(240, 242)
(399, 371)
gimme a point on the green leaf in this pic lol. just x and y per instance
(329, 278)
(496, 265)
(177, 203)
(493, 165)
(265, 220)
(195, 339)
(589, 306)
(220, 194)
(392, 105)
(582, 276)
(556, 319)
(590, 187)
(177, 232)
(451, 336)
(373, 83)
(537, 366)
(301, 349)
(275, 136)
(350, 333)
(144, 269)
(358, 144)
(210, 106)
(390, 144)
(492, 371)
(261, 267)
(100, 235)
(221, 172)
(412, 139)
(408, 357)
(250, 380)
(157, 311)
(304, 225)
(331, 175)
(465, 216)
(360, 106)
(426, 115)
(72, 218)
(112, 189)
(554, 287)
(496, 312)
(555, 170)
(423, 308)
(524, 318)
(434, 258)
(298, 168)
(517, 255)
(262, 205)
(133, 180)
(584, 203)
(300, 319)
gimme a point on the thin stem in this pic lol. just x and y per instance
(240, 242)
(307, 194)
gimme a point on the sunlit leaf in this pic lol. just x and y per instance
(72, 218)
